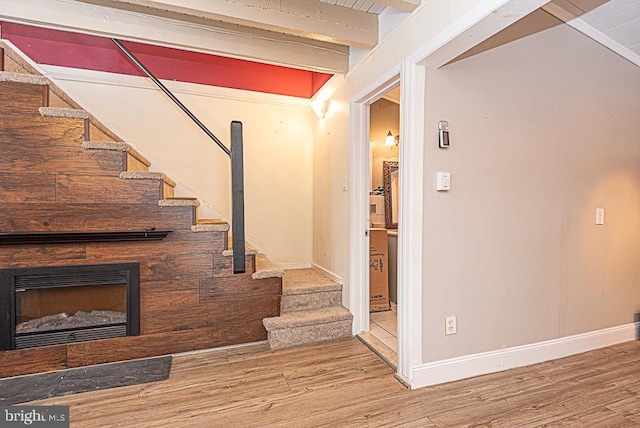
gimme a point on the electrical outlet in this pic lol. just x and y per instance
(450, 325)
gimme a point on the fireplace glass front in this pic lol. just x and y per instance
(66, 304)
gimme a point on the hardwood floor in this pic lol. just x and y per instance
(341, 383)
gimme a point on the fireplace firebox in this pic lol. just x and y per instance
(63, 304)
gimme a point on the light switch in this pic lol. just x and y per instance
(599, 216)
(344, 184)
(443, 181)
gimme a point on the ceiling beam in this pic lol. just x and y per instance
(406, 5)
(304, 18)
(225, 39)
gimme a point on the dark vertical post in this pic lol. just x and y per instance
(237, 198)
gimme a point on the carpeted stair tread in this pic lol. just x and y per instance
(306, 281)
(221, 226)
(179, 202)
(146, 175)
(308, 318)
(116, 146)
(265, 268)
(248, 249)
(69, 113)
(31, 79)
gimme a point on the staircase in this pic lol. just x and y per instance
(311, 311)
(96, 181)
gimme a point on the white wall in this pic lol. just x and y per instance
(277, 151)
(543, 131)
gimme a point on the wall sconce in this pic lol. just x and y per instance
(321, 110)
(390, 140)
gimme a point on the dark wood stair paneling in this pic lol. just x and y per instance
(96, 189)
(209, 314)
(223, 265)
(42, 255)
(41, 131)
(33, 360)
(27, 188)
(178, 242)
(55, 159)
(20, 98)
(170, 267)
(91, 217)
(212, 289)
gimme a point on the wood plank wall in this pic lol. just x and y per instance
(188, 296)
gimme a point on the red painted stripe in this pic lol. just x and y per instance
(62, 48)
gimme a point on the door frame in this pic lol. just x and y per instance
(411, 77)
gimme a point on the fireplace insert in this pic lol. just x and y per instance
(64, 304)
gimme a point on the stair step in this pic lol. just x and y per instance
(69, 113)
(307, 281)
(297, 328)
(117, 147)
(265, 268)
(31, 79)
(147, 175)
(306, 289)
(179, 202)
(248, 249)
(210, 225)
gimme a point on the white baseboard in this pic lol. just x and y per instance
(504, 359)
(332, 276)
(286, 266)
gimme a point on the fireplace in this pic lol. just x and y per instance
(64, 304)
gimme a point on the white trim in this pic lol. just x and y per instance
(483, 21)
(518, 356)
(410, 235)
(332, 276)
(358, 198)
(113, 79)
(285, 266)
(592, 32)
(358, 219)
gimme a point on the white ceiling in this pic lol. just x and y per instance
(614, 23)
(363, 5)
(619, 20)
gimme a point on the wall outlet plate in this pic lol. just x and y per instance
(450, 325)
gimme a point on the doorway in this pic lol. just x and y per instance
(383, 193)
(411, 79)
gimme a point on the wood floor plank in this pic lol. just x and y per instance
(342, 383)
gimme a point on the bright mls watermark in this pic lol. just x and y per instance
(34, 416)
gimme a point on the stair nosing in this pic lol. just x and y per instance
(147, 175)
(265, 268)
(69, 113)
(222, 227)
(29, 79)
(325, 315)
(178, 202)
(288, 290)
(116, 146)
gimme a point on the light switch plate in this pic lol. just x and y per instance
(599, 216)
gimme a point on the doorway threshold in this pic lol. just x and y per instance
(385, 353)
